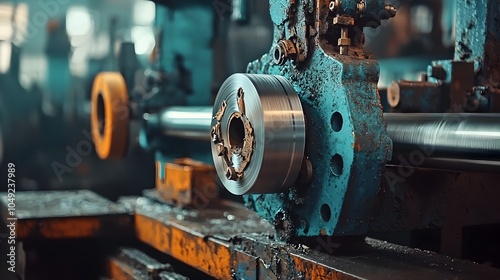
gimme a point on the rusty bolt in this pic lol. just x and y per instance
(283, 51)
(391, 11)
(343, 20)
(344, 42)
(361, 8)
(334, 5)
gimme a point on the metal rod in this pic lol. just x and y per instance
(446, 141)
(183, 122)
(439, 141)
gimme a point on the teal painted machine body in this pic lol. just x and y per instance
(186, 32)
(346, 140)
(185, 59)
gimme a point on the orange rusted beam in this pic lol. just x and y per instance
(240, 247)
(74, 227)
(206, 254)
(60, 228)
(65, 215)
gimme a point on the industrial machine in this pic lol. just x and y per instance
(330, 183)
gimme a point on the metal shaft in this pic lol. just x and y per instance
(443, 141)
(446, 141)
(183, 122)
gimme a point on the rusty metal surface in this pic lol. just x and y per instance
(200, 238)
(370, 259)
(186, 182)
(346, 141)
(130, 263)
(67, 214)
(416, 97)
(230, 242)
(216, 220)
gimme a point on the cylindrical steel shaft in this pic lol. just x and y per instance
(183, 122)
(448, 141)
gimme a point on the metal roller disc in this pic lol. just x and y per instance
(258, 134)
(110, 115)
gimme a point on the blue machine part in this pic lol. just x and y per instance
(346, 143)
(477, 30)
(186, 31)
(186, 36)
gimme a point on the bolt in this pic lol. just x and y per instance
(391, 10)
(344, 42)
(344, 22)
(361, 7)
(283, 51)
(332, 6)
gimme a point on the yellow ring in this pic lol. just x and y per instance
(110, 115)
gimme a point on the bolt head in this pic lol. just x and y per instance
(391, 10)
(283, 51)
(278, 56)
(361, 8)
(344, 42)
(343, 20)
(332, 6)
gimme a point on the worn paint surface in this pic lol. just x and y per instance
(67, 214)
(416, 97)
(346, 137)
(198, 237)
(228, 241)
(244, 247)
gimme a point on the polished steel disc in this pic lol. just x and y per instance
(258, 134)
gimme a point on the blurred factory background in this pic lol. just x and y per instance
(50, 54)
(175, 54)
(51, 51)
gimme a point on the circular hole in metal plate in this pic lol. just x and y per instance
(337, 164)
(326, 213)
(336, 121)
